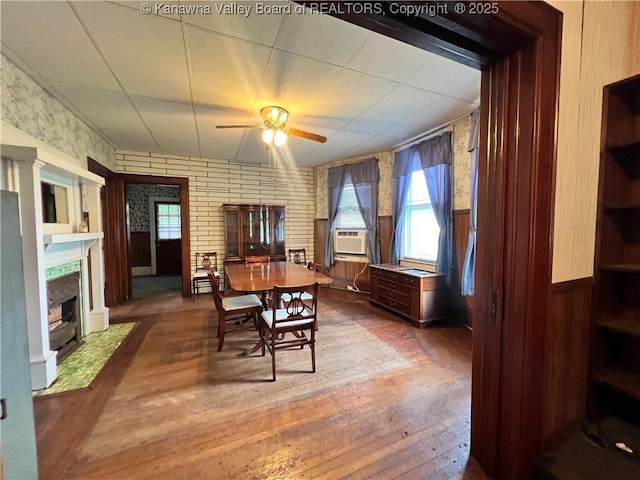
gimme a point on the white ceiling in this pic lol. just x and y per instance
(161, 83)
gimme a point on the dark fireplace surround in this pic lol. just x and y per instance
(63, 295)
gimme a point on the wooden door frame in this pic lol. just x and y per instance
(118, 285)
(518, 50)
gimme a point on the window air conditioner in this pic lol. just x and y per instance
(350, 241)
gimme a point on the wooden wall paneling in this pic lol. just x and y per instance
(385, 231)
(459, 310)
(320, 239)
(140, 249)
(567, 347)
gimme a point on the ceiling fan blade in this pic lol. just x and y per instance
(238, 126)
(308, 135)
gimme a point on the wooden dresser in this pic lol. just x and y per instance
(415, 294)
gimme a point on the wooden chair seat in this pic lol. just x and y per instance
(298, 318)
(236, 309)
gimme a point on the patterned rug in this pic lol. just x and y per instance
(80, 368)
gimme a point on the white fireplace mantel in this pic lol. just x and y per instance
(49, 245)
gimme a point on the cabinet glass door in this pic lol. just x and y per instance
(256, 234)
(278, 232)
(231, 232)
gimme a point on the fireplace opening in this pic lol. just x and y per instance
(64, 315)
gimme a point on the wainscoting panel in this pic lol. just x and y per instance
(566, 358)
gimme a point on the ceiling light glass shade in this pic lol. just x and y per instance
(279, 138)
(267, 135)
(274, 117)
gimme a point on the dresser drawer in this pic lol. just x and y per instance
(393, 294)
(394, 304)
(396, 277)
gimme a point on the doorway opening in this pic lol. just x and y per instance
(155, 239)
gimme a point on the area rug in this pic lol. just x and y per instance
(80, 368)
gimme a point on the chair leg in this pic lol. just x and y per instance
(273, 355)
(313, 350)
(221, 331)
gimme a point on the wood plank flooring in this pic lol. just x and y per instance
(167, 405)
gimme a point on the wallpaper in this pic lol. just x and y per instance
(461, 173)
(28, 107)
(138, 202)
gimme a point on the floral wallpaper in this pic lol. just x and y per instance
(138, 201)
(461, 164)
(28, 107)
(461, 173)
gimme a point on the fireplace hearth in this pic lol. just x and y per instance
(64, 314)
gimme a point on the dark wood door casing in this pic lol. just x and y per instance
(518, 50)
(117, 260)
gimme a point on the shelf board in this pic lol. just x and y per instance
(624, 147)
(624, 325)
(624, 381)
(620, 206)
(72, 237)
(621, 267)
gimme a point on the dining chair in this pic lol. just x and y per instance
(204, 261)
(235, 309)
(317, 267)
(296, 317)
(257, 259)
(298, 255)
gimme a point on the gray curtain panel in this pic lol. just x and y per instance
(469, 269)
(335, 183)
(365, 177)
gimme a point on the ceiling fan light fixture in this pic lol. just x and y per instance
(267, 135)
(274, 117)
(279, 138)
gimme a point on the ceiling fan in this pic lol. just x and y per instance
(274, 130)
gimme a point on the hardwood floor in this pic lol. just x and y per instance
(388, 401)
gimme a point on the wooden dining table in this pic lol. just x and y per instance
(259, 278)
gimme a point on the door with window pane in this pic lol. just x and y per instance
(168, 238)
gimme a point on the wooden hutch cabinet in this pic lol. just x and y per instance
(253, 230)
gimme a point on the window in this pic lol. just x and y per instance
(420, 228)
(168, 221)
(348, 215)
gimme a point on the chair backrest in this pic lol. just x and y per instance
(258, 259)
(317, 267)
(296, 307)
(215, 290)
(207, 261)
(298, 255)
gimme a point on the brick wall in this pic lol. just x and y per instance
(214, 182)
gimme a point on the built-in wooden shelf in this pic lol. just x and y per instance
(71, 237)
(621, 267)
(621, 380)
(624, 325)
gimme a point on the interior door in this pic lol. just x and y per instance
(168, 238)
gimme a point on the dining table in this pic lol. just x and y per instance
(260, 278)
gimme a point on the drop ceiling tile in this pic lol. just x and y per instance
(375, 144)
(167, 119)
(164, 8)
(146, 52)
(252, 149)
(208, 118)
(218, 151)
(226, 72)
(433, 116)
(341, 142)
(321, 37)
(360, 89)
(443, 76)
(397, 105)
(230, 18)
(469, 92)
(67, 52)
(179, 146)
(294, 82)
(104, 108)
(389, 58)
(132, 141)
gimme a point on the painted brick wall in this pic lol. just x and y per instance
(214, 182)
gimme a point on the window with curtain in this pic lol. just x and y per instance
(420, 231)
(349, 216)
